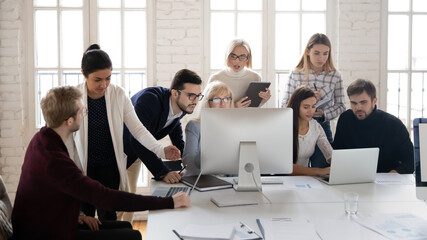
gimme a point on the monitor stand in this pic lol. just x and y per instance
(249, 172)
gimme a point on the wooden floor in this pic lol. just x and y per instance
(141, 226)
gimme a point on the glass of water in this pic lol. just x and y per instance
(351, 200)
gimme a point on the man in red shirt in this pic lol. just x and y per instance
(52, 187)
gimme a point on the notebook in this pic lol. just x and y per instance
(169, 191)
(357, 165)
(206, 182)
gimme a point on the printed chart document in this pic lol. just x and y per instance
(396, 226)
(233, 231)
(302, 182)
(293, 229)
(206, 182)
(393, 178)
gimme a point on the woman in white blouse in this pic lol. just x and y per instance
(307, 133)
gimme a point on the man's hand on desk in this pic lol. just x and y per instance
(172, 177)
(181, 200)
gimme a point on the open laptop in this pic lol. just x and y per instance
(357, 165)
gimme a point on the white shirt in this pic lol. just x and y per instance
(171, 116)
(307, 143)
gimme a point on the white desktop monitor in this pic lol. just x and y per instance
(223, 131)
(420, 157)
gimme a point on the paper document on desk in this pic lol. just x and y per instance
(394, 178)
(293, 229)
(396, 226)
(302, 182)
(230, 231)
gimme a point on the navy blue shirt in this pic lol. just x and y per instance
(152, 106)
(100, 144)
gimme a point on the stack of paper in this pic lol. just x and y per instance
(393, 178)
(233, 231)
(277, 228)
(396, 226)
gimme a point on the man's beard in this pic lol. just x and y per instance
(184, 108)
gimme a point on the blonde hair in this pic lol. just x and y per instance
(211, 90)
(305, 63)
(59, 104)
(236, 43)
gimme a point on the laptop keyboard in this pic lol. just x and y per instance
(174, 190)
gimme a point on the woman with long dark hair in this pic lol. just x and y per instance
(307, 133)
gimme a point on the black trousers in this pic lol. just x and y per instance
(109, 230)
(108, 176)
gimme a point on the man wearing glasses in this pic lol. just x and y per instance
(160, 110)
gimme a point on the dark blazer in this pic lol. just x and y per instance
(152, 107)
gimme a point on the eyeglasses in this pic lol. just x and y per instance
(219, 100)
(192, 96)
(242, 57)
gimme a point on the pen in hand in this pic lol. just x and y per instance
(182, 169)
(315, 87)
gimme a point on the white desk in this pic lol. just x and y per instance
(324, 207)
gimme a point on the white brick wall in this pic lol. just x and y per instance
(11, 95)
(177, 44)
(179, 38)
(359, 40)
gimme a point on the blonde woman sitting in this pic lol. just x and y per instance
(217, 95)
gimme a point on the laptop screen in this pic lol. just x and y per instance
(417, 158)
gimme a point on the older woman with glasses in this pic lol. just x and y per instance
(238, 74)
(217, 95)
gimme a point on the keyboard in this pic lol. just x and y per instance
(169, 191)
(174, 190)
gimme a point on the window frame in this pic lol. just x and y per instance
(384, 71)
(90, 35)
(268, 71)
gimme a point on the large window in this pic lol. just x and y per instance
(63, 29)
(277, 31)
(406, 69)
